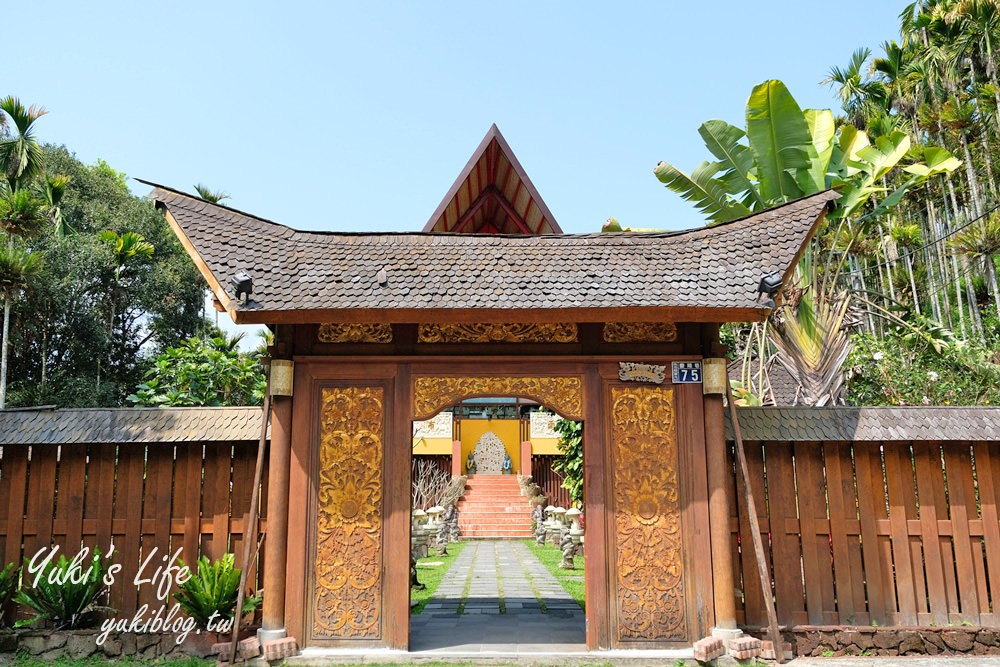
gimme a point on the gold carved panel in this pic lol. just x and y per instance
(562, 394)
(355, 333)
(484, 332)
(649, 569)
(347, 593)
(640, 332)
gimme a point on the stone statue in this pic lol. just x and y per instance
(568, 548)
(450, 520)
(507, 464)
(538, 516)
(414, 582)
(470, 463)
(442, 538)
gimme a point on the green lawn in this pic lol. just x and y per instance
(431, 577)
(571, 580)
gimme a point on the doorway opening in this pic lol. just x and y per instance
(497, 539)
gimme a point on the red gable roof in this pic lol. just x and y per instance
(493, 195)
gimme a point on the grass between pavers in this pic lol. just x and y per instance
(25, 660)
(431, 577)
(571, 580)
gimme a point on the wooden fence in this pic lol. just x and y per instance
(550, 481)
(872, 532)
(146, 500)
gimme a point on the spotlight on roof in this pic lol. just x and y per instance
(769, 285)
(242, 284)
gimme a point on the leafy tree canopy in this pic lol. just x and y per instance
(83, 336)
(202, 372)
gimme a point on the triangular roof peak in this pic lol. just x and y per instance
(493, 195)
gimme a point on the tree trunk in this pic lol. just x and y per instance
(4, 351)
(970, 173)
(991, 275)
(913, 282)
(986, 138)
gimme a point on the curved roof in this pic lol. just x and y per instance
(709, 274)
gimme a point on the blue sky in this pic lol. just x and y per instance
(358, 116)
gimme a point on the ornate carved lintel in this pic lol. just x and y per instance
(485, 332)
(562, 394)
(640, 332)
(355, 333)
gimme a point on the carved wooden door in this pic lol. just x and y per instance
(647, 558)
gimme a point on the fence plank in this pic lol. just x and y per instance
(815, 542)
(899, 476)
(15, 471)
(987, 466)
(71, 489)
(844, 540)
(958, 467)
(215, 499)
(41, 499)
(871, 497)
(931, 492)
(786, 548)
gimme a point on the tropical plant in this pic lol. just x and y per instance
(813, 344)
(209, 195)
(981, 241)
(17, 266)
(202, 372)
(21, 157)
(570, 464)
(8, 586)
(62, 598)
(210, 593)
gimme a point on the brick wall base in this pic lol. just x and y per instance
(839, 640)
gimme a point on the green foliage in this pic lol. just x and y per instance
(8, 586)
(202, 372)
(790, 153)
(571, 580)
(65, 349)
(904, 369)
(570, 465)
(212, 591)
(65, 599)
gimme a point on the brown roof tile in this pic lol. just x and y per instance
(844, 424)
(125, 425)
(321, 273)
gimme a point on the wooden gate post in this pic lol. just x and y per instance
(276, 540)
(720, 479)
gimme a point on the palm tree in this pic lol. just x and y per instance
(17, 266)
(53, 190)
(981, 241)
(21, 157)
(859, 95)
(209, 195)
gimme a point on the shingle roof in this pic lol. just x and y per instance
(707, 274)
(842, 424)
(54, 427)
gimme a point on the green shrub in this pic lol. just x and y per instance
(8, 586)
(570, 466)
(212, 590)
(67, 604)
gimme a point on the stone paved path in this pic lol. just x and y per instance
(498, 598)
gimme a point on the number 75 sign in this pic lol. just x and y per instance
(685, 372)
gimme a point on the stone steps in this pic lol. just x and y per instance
(493, 507)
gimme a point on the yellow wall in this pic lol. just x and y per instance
(432, 446)
(508, 430)
(545, 446)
